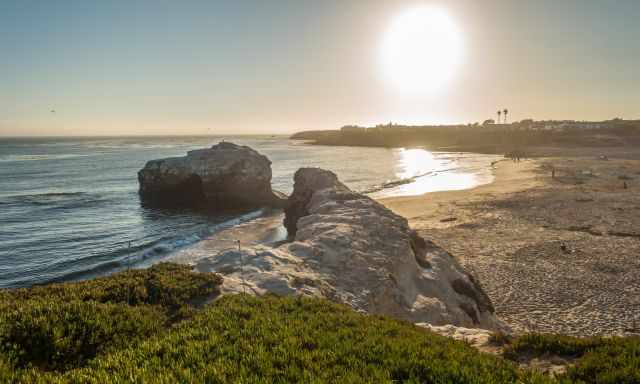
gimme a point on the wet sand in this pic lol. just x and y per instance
(557, 255)
(266, 229)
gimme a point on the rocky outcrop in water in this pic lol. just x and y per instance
(351, 249)
(225, 176)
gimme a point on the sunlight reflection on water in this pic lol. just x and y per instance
(423, 171)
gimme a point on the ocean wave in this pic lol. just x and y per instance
(395, 183)
(9, 175)
(127, 146)
(58, 194)
(141, 255)
(166, 246)
(20, 158)
(57, 200)
(43, 197)
(52, 144)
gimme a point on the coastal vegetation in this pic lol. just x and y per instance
(153, 326)
(487, 137)
(62, 326)
(598, 359)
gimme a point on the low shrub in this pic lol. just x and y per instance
(62, 326)
(59, 335)
(537, 344)
(500, 338)
(615, 361)
(295, 340)
(166, 284)
(611, 360)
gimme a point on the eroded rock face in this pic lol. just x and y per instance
(351, 249)
(306, 181)
(221, 177)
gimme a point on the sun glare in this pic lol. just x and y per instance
(421, 50)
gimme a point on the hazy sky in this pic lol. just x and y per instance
(198, 67)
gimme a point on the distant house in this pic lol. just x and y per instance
(564, 125)
(587, 125)
(349, 129)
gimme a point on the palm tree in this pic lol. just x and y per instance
(499, 113)
(505, 112)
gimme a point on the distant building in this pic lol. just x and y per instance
(352, 129)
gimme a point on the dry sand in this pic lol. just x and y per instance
(557, 255)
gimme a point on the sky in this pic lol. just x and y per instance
(251, 67)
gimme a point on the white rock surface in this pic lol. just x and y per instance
(351, 249)
(477, 338)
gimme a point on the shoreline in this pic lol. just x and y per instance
(264, 229)
(508, 177)
(531, 152)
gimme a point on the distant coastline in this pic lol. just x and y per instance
(483, 138)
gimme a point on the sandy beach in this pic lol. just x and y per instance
(555, 254)
(266, 229)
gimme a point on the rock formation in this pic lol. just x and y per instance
(221, 177)
(306, 181)
(351, 249)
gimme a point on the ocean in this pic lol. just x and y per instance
(69, 207)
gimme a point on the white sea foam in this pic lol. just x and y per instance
(30, 157)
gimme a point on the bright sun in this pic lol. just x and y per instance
(421, 50)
